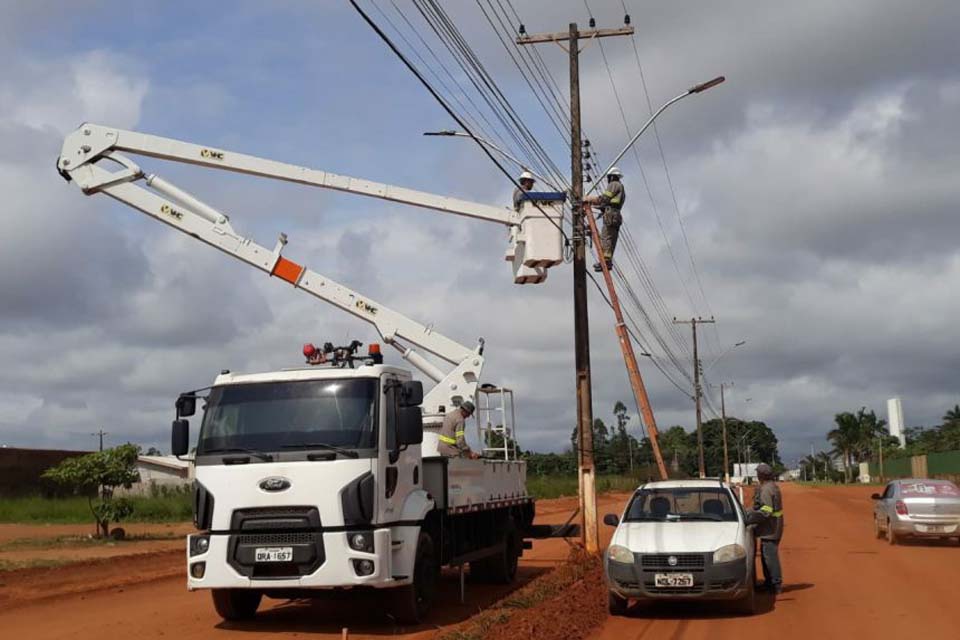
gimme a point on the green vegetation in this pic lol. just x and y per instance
(617, 453)
(49, 563)
(81, 541)
(171, 506)
(102, 471)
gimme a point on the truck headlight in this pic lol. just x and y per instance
(616, 553)
(361, 541)
(199, 544)
(729, 553)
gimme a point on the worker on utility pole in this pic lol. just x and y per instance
(526, 184)
(453, 444)
(767, 514)
(611, 202)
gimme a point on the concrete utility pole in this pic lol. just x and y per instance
(723, 420)
(100, 433)
(587, 470)
(697, 390)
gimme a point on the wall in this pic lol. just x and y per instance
(944, 465)
(20, 470)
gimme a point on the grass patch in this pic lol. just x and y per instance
(563, 486)
(175, 507)
(82, 541)
(13, 565)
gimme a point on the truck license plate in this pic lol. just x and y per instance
(673, 580)
(273, 554)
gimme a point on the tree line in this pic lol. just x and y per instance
(863, 437)
(617, 452)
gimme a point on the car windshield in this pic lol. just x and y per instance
(698, 503)
(274, 416)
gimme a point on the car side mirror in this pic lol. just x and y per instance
(611, 520)
(410, 425)
(411, 393)
(186, 406)
(180, 437)
(876, 496)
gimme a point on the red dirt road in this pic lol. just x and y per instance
(840, 582)
(146, 597)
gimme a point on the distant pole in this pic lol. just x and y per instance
(813, 461)
(880, 448)
(697, 391)
(100, 433)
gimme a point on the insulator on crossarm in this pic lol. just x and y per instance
(626, 19)
(593, 23)
(523, 30)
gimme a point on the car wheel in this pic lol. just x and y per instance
(891, 535)
(877, 530)
(616, 605)
(236, 604)
(747, 605)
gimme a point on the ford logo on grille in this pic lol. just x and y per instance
(275, 483)
(672, 561)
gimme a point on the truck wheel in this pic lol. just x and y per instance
(891, 534)
(616, 605)
(236, 604)
(502, 567)
(411, 603)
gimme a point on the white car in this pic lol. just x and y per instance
(681, 540)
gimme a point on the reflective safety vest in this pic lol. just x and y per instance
(449, 440)
(769, 511)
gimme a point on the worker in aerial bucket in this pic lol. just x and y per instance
(453, 444)
(526, 184)
(610, 201)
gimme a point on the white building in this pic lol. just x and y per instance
(160, 471)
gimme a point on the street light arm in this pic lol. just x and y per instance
(695, 89)
(460, 134)
(728, 350)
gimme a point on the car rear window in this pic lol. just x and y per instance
(698, 503)
(929, 489)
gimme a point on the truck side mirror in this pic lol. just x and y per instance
(410, 425)
(180, 437)
(611, 520)
(186, 406)
(411, 394)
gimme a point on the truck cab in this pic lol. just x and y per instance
(315, 479)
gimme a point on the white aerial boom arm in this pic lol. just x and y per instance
(80, 162)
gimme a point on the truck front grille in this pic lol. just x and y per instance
(295, 527)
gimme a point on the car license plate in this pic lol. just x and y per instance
(673, 580)
(273, 554)
(931, 528)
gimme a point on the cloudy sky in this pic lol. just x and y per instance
(817, 189)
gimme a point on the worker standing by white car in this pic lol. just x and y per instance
(767, 514)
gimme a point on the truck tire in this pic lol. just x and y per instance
(747, 605)
(500, 568)
(236, 604)
(616, 605)
(411, 603)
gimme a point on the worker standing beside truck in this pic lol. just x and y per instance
(611, 202)
(767, 514)
(453, 444)
(526, 184)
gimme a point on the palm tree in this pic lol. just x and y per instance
(844, 438)
(952, 416)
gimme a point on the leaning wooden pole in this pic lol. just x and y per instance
(626, 346)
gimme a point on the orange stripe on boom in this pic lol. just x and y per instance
(287, 270)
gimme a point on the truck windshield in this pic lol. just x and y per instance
(271, 416)
(705, 503)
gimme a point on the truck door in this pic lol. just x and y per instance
(399, 472)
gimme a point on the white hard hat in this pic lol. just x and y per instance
(526, 175)
(615, 171)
